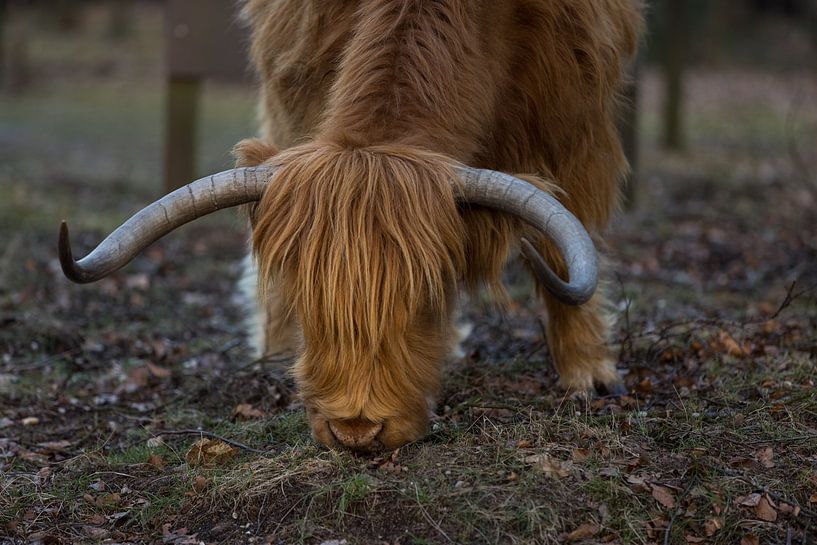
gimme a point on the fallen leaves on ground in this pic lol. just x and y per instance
(726, 344)
(245, 411)
(552, 467)
(156, 461)
(766, 457)
(585, 531)
(762, 505)
(210, 452)
(663, 495)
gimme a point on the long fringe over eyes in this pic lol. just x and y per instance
(366, 241)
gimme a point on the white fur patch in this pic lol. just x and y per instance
(462, 329)
(255, 315)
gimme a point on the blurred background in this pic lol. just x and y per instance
(149, 93)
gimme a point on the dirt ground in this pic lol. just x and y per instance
(106, 390)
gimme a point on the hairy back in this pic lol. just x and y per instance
(543, 75)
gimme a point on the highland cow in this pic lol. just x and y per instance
(408, 147)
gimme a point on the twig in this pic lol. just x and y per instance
(211, 435)
(278, 358)
(675, 513)
(665, 332)
(46, 360)
(789, 535)
(765, 490)
(428, 517)
(790, 297)
(229, 345)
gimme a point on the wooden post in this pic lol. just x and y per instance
(181, 121)
(203, 41)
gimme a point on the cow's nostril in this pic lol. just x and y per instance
(355, 433)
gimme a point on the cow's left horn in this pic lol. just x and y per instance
(194, 200)
(518, 197)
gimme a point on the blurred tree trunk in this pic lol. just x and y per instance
(628, 128)
(17, 69)
(3, 19)
(673, 64)
(811, 15)
(120, 24)
(67, 14)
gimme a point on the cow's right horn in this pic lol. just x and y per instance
(509, 194)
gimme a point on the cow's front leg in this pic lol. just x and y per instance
(578, 340)
(578, 337)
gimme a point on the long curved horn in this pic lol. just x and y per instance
(194, 200)
(244, 185)
(518, 197)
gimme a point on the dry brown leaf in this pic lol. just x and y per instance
(246, 411)
(766, 457)
(655, 527)
(210, 452)
(748, 501)
(663, 495)
(727, 344)
(97, 519)
(53, 446)
(788, 509)
(136, 380)
(586, 530)
(749, 539)
(638, 483)
(580, 454)
(765, 510)
(200, 484)
(552, 467)
(694, 539)
(523, 443)
(158, 371)
(95, 533)
(160, 348)
(812, 498)
(156, 461)
(108, 500)
(712, 526)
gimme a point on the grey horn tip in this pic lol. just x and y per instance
(565, 292)
(69, 266)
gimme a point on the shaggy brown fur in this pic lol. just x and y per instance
(359, 241)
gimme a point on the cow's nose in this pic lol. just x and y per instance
(355, 433)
